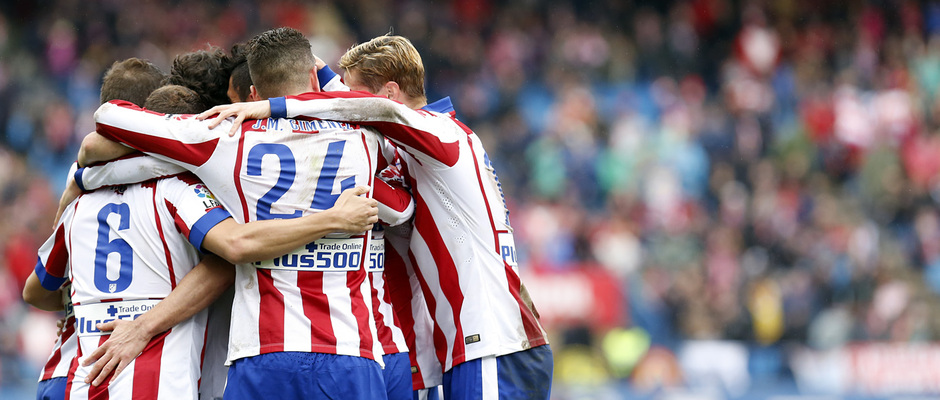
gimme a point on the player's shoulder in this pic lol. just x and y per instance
(180, 181)
(188, 178)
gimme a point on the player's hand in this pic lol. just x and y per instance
(241, 112)
(318, 62)
(356, 214)
(124, 345)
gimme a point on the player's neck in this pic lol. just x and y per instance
(414, 103)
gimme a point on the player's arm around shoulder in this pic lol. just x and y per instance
(153, 132)
(238, 112)
(264, 240)
(135, 168)
(96, 148)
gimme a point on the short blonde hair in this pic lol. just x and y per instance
(387, 58)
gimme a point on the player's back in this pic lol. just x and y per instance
(124, 244)
(280, 168)
(314, 299)
(128, 247)
(462, 242)
(464, 249)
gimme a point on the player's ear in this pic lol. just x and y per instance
(253, 95)
(391, 90)
(314, 81)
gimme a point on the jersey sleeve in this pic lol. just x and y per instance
(53, 264)
(193, 207)
(389, 156)
(71, 174)
(431, 138)
(181, 139)
(396, 206)
(138, 168)
(330, 81)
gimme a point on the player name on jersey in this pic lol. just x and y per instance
(273, 124)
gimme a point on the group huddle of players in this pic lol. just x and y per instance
(321, 237)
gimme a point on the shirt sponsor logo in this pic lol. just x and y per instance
(376, 262)
(88, 316)
(323, 255)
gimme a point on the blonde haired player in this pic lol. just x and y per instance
(486, 332)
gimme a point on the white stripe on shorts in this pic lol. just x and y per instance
(490, 380)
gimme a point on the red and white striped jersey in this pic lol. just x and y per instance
(395, 203)
(315, 299)
(402, 293)
(124, 249)
(65, 349)
(407, 300)
(133, 168)
(66, 346)
(387, 324)
(462, 244)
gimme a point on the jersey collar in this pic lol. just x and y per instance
(443, 106)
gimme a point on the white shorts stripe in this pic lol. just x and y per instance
(489, 378)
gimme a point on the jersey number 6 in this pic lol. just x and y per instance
(106, 246)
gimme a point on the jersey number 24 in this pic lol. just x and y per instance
(323, 197)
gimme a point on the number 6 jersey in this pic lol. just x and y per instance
(124, 249)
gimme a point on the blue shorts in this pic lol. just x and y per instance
(525, 374)
(52, 389)
(299, 375)
(397, 375)
(427, 394)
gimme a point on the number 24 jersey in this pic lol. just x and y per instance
(316, 299)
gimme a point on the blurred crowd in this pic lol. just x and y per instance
(756, 171)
